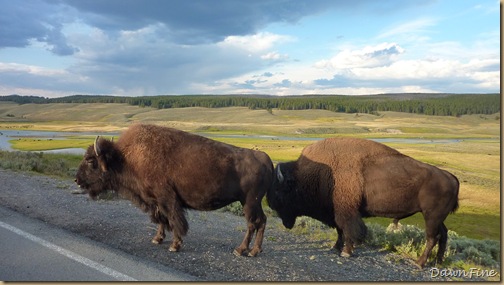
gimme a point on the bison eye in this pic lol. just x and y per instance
(91, 162)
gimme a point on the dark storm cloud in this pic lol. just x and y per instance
(185, 22)
(23, 21)
(196, 21)
(152, 46)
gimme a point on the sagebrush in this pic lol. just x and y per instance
(407, 240)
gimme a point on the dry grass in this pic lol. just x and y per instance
(475, 160)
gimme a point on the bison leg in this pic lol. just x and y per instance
(353, 231)
(432, 229)
(173, 211)
(158, 218)
(160, 234)
(338, 246)
(260, 227)
(256, 223)
(443, 231)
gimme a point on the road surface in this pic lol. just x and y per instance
(35, 251)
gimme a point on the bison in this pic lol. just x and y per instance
(340, 180)
(165, 171)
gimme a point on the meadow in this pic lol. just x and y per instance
(468, 145)
(471, 149)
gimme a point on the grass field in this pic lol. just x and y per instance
(475, 159)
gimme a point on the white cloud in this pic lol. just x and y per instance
(411, 69)
(412, 28)
(274, 56)
(369, 56)
(181, 49)
(44, 92)
(256, 43)
(29, 69)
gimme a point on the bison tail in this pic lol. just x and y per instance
(456, 205)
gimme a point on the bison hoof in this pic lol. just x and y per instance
(345, 254)
(254, 252)
(173, 249)
(157, 240)
(419, 264)
(239, 252)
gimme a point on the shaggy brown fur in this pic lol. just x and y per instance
(340, 180)
(165, 171)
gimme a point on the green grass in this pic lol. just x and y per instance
(476, 162)
(29, 144)
(463, 252)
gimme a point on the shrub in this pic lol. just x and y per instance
(235, 208)
(51, 164)
(410, 241)
(479, 252)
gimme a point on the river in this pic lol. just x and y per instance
(8, 135)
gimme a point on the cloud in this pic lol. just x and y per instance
(369, 56)
(195, 21)
(60, 82)
(275, 57)
(139, 61)
(255, 43)
(184, 22)
(151, 47)
(283, 83)
(439, 75)
(373, 69)
(20, 24)
(411, 28)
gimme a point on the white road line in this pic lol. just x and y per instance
(74, 256)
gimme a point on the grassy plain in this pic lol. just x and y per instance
(471, 150)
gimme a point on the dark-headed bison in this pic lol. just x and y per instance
(340, 180)
(165, 171)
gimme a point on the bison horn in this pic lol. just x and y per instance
(279, 174)
(96, 147)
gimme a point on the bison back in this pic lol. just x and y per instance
(204, 173)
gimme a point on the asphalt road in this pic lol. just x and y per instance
(32, 250)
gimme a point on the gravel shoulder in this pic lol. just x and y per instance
(207, 251)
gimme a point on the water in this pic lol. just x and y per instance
(7, 135)
(382, 140)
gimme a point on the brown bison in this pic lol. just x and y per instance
(340, 180)
(165, 171)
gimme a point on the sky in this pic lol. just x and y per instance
(55, 48)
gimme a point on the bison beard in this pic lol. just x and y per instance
(338, 181)
(165, 171)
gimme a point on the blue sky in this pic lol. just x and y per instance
(56, 48)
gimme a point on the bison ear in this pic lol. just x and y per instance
(279, 174)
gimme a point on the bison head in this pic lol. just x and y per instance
(93, 174)
(282, 195)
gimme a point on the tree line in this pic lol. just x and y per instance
(421, 103)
